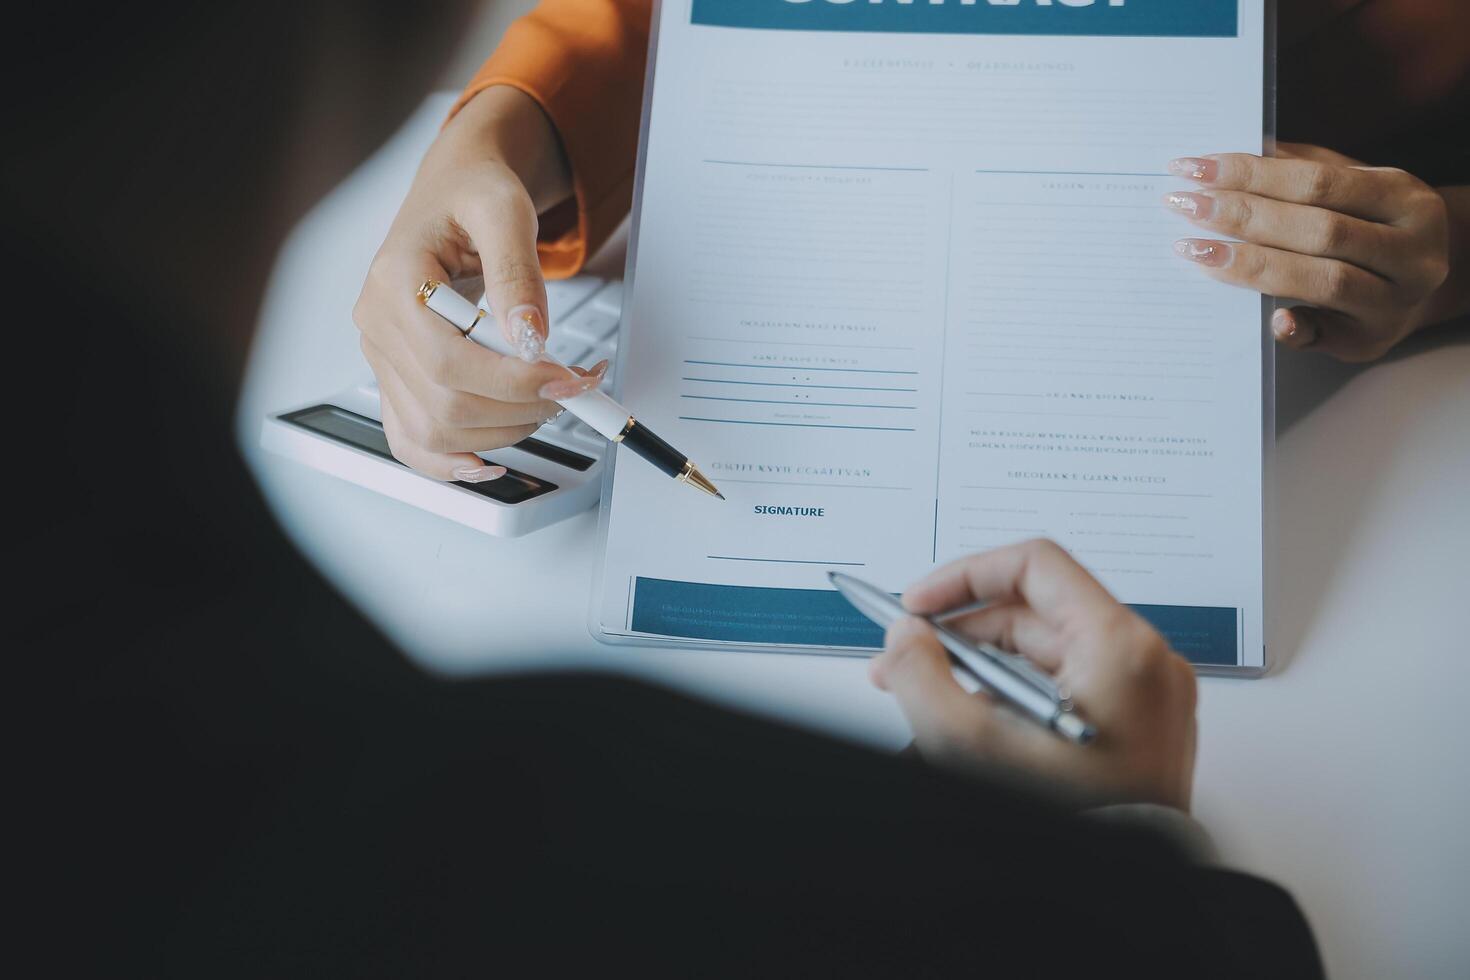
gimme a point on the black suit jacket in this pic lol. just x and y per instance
(235, 775)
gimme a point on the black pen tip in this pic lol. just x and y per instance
(720, 495)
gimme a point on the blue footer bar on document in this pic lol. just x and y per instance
(1073, 18)
(821, 617)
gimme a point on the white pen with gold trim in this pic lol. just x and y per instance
(596, 408)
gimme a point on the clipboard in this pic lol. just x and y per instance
(624, 634)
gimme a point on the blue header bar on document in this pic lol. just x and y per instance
(1073, 18)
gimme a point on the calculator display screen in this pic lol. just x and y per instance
(363, 433)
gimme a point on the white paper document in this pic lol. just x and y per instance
(903, 286)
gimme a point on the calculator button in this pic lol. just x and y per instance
(565, 295)
(590, 324)
(611, 297)
(568, 350)
(585, 435)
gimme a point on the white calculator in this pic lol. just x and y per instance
(553, 475)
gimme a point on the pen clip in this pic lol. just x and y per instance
(1037, 677)
(1016, 663)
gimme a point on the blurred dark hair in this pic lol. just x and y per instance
(140, 119)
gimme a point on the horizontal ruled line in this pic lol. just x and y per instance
(799, 483)
(797, 343)
(776, 384)
(785, 367)
(1104, 493)
(797, 425)
(815, 166)
(1073, 173)
(777, 401)
(787, 561)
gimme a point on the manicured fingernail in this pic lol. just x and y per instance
(1283, 325)
(1200, 207)
(1195, 168)
(1214, 254)
(1291, 330)
(479, 474)
(555, 391)
(526, 332)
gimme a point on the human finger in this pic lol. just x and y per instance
(431, 435)
(1337, 334)
(1349, 190)
(1330, 283)
(946, 720)
(1293, 227)
(462, 467)
(1038, 573)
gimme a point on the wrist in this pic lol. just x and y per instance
(505, 125)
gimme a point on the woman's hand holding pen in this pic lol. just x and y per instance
(1121, 674)
(1366, 249)
(472, 210)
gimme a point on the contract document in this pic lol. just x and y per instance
(902, 283)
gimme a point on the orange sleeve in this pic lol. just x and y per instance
(583, 61)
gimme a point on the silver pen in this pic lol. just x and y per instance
(1008, 676)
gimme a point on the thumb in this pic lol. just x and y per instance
(505, 239)
(1327, 331)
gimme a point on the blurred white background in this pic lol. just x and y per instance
(1342, 775)
(484, 32)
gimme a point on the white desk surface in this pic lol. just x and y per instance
(1343, 775)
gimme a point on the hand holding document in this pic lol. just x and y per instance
(1365, 249)
(910, 269)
